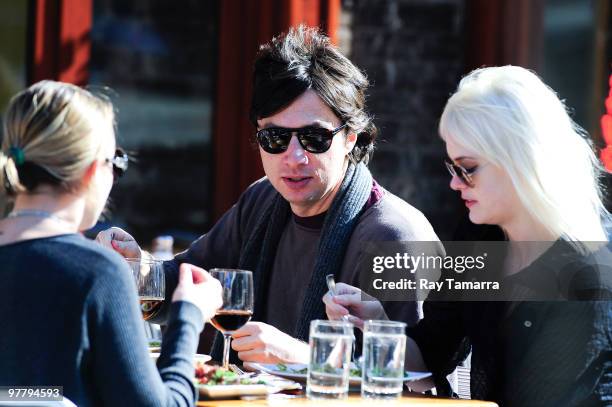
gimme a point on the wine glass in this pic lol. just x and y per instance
(237, 307)
(151, 284)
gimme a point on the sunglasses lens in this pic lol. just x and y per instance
(316, 140)
(450, 168)
(273, 141)
(457, 171)
(313, 140)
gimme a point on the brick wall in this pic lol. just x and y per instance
(412, 52)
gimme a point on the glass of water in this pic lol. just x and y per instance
(384, 348)
(331, 344)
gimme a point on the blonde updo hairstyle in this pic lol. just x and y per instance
(510, 118)
(52, 132)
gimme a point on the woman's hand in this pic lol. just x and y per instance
(120, 241)
(352, 302)
(198, 287)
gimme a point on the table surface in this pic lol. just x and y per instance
(412, 400)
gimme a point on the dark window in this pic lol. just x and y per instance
(13, 37)
(13, 40)
(159, 59)
(569, 56)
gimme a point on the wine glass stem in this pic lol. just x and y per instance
(227, 338)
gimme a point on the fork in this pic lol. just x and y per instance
(234, 368)
(331, 285)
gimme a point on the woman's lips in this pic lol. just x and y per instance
(296, 183)
(469, 203)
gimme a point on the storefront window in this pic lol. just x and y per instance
(569, 47)
(13, 37)
(159, 59)
(13, 40)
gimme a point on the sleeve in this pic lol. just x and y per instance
(441, 338)
(123, 372)
(587, 280)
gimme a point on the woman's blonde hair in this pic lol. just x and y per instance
(508, 116)
(52, 132)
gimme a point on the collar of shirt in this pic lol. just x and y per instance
(316, 221)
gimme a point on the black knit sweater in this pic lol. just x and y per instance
(70, 317)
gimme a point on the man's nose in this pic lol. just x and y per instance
(295, 154)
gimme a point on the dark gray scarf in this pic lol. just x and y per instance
(259, 249)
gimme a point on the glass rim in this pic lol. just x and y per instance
(143, 260)
(384, 323)
(330, 322)
(219, 269)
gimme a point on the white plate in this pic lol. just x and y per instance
(198, 357)
(234, 390)
(293, 368)
(273, 384)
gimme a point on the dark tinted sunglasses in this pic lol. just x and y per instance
(464, 175)
(119, 162)
(317, 140)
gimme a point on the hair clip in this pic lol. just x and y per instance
(17, 154)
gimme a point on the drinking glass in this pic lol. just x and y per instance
(384, 347)
(331, 343)
(237, 307)
(151, 284)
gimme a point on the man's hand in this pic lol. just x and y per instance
(263, 343)
(351, 301)
(120, 241)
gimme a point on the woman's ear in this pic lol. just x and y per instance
(90, 173)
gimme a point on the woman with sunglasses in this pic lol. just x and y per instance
(68, 306)
(520, 163)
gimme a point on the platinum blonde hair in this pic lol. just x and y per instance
(509, 117)
(59, 129)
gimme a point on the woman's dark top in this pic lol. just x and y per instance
(70, 317)
(531, 353)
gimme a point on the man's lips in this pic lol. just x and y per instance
(295, 177)
(296, 182)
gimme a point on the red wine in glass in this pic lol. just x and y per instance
(237, 306)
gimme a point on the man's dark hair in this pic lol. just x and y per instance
(302, 59)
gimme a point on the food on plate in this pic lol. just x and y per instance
(284, 368)
(216, 375)
(355, 372)
(154, 346)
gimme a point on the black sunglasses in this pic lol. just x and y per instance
(464, 174)
(317, 140)
(120, 163)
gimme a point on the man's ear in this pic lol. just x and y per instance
(351, 140)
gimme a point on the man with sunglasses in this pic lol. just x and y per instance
(316, 208)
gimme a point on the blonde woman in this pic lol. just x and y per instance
(68, 307)
(519, 162)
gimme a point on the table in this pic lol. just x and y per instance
(411, 400)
